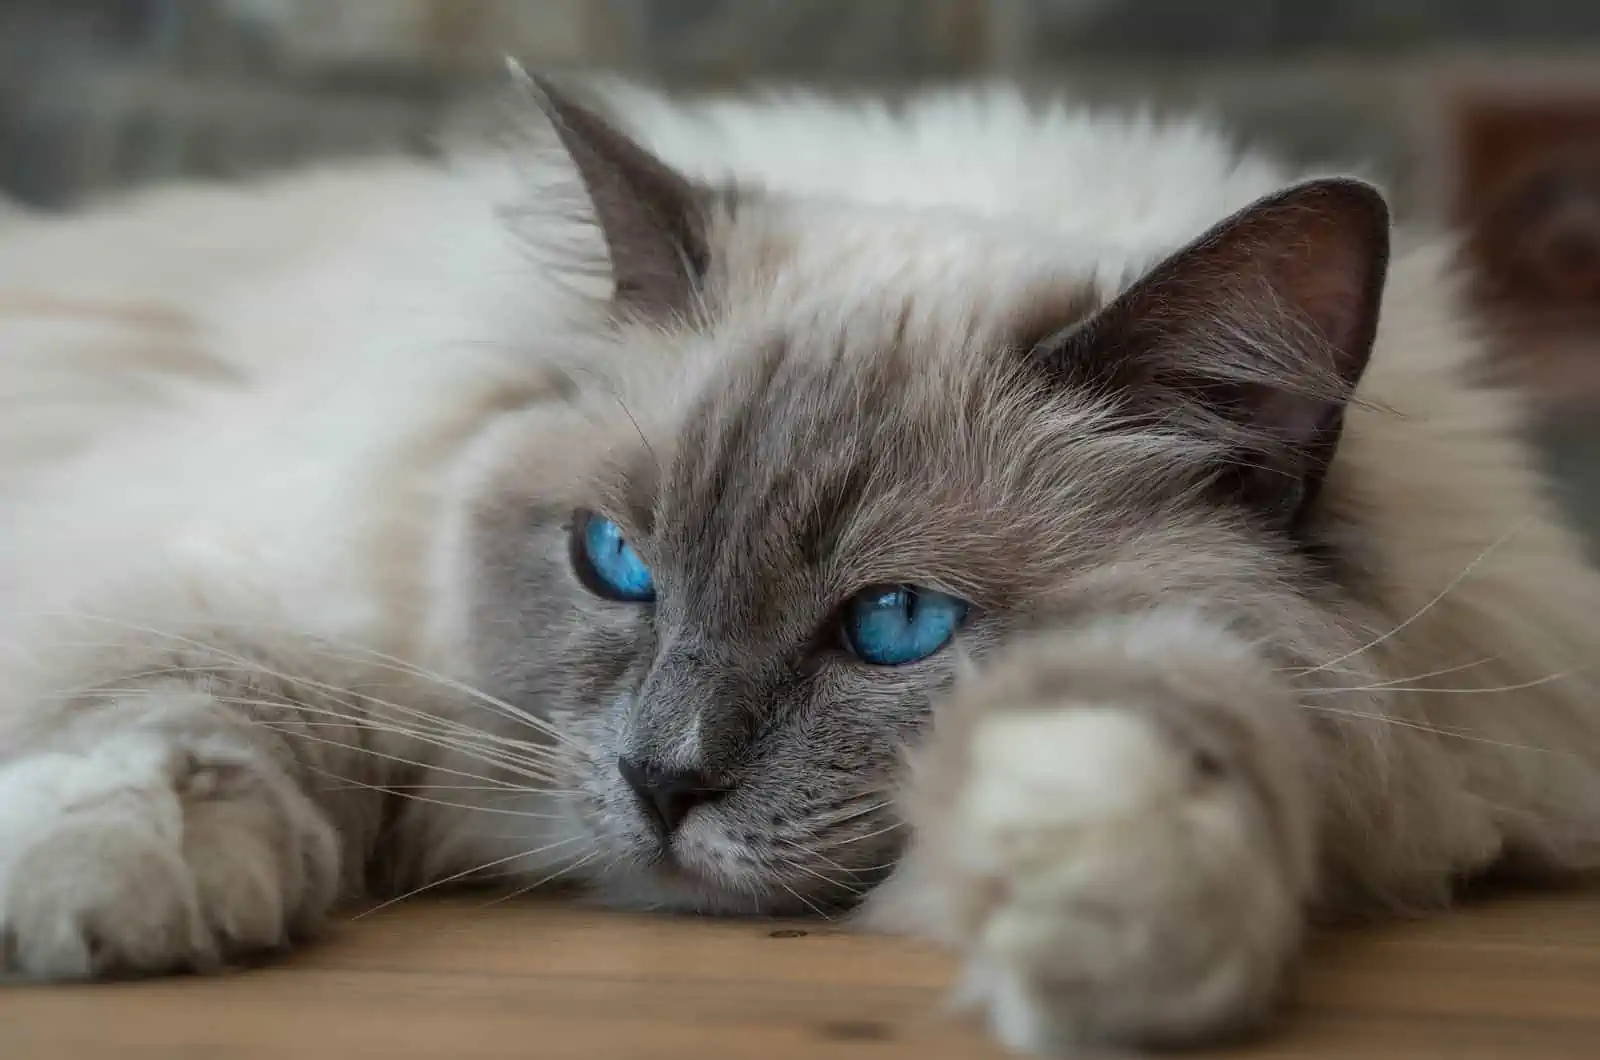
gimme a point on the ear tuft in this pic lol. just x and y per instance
(1258, 333)
(651, 217)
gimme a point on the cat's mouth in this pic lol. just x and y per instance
(687, 877)
(722, 865)
(669, 866)
(722, 884)
(661, 887)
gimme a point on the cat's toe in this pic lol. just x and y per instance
(102, 897)
(1115, 886)
(264, 859)
(144, 863)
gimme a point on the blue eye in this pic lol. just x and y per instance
(891, 625)
(608, 565)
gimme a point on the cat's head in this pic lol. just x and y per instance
(815, 459)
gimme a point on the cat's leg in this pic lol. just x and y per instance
(1114, 829)
(155, 828)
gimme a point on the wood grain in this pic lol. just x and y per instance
(457, 979)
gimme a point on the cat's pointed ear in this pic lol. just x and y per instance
(651, 217)
(1257, 334)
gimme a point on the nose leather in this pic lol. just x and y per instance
(666, 796)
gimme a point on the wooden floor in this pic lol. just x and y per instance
(1509, 980)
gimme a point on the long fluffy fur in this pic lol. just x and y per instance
(244, 434)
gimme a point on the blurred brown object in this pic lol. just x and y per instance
(1525, 163)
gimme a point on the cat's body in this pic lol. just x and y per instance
(287, 483)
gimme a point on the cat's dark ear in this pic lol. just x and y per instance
(651, 217)
(1256, 334)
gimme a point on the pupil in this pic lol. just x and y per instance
(910, 604)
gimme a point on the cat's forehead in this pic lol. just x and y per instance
(845, 411)
(830, 449)
(870, 327)
(776, 455)
(912, 276)
(811, 393)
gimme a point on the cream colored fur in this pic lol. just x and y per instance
(234, 423)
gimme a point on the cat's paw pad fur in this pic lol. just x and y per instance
(148, 855)
(1114, 885)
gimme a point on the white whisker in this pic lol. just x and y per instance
(793, 863)
(802, 899)
(464, 873)
(397, 759)
(870, 835)
(849, 813)
(400, 793)
(1518, 687)
(1429, 606)
(494, 758)
(1433, 729)
(544, 881)
(792, 845)
(525, 754)
(308, 642)
(504, 789)
(1402, 680)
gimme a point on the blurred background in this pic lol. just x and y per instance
(1482, 113)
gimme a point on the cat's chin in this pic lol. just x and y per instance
(668, 886)
(668, 889)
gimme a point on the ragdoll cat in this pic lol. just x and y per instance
(1064, 537)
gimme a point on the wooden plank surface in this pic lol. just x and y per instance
(1516, 978)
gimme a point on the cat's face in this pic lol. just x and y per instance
(735, 570)
(760, 590)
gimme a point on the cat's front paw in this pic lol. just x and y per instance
(148, 855)
(1108, 883)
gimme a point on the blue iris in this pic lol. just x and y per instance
(891, 625)
(614, 568)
